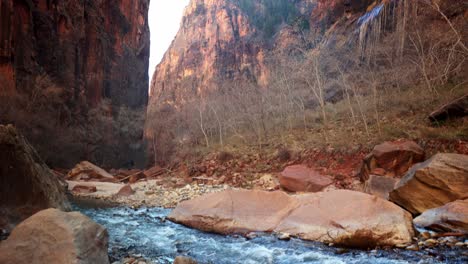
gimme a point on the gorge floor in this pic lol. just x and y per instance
(145, 232)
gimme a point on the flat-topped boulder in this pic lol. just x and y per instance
(452, 217)
(300, 178)
(433, 183)
(342, 217)
(392, 159)
(27, 185)
(55, 237)
(348, 218)
(238, 211)
(86, 171)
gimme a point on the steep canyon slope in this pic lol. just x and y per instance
(244, 69)
(61, 59)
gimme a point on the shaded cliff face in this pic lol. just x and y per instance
(215, 42)
(94, 49)
(67, 68)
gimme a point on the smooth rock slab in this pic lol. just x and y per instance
(299, 178)
(342, 217)
(55, 237)
(239, 211)
(348, 218)
(452, 217)
(433, 183)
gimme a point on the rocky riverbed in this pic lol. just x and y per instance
(145, 236)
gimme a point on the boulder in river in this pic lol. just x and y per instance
(348, 218)
(55, 237)
(433, 183)
(392, 159)
(452, 217)
(27, 185)
(231, 211)
(299, 178)
(86, 171)
(342, 217)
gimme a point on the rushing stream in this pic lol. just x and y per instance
(146, 232)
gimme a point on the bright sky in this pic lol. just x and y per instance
(164, 20)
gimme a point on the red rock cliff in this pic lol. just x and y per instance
(95, 49)
(73, 74)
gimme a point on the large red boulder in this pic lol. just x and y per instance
(55, 237)
(348, 218)
(235, 211)
(391, 159)
(86, 171)
(434, 183)
(299, 178)
(343, 217)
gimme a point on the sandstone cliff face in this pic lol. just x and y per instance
(61, 62)
(92, 49)
(229, 40)
(215, 42)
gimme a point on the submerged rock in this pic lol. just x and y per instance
(452, 217)
(299, 178)
(341, 217)
(433, 183)
(55, 237)
(391, 159)
(27, 185)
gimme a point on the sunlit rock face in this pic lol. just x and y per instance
(216, 41)
(231, 40)
(93, 50)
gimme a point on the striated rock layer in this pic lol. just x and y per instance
(68, 69)
(92, 49)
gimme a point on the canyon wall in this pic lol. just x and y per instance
(76, 55)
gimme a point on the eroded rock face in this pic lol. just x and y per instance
(433, 183)
(452, 217)
(342, 217)
(215, 43)
(299, 178)
(392, 158)
(55, 237)
(26, 183)
(65, 62)
(235, 211)
(93, 50)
